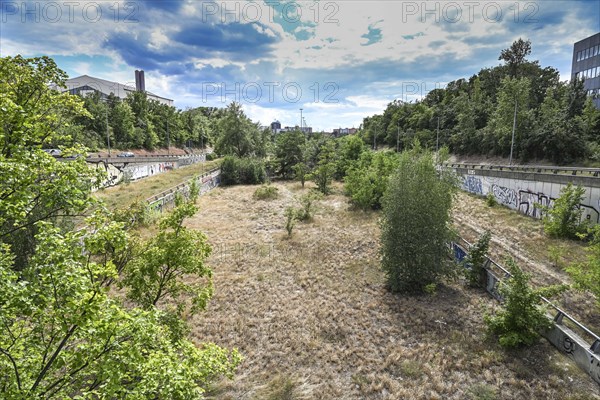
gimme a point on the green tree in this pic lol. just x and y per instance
(301, 172)
(348, 153)
(515, 55)
(521, 318)
(237, 134)
(476, 259)
(563, 219)
(513, 93)
(65, 333)
(33, 185)
(587, 274)
(323, 172)
(367, 182)
(175, 251)
(415, 223)
(144, 127)
(122, 121)
(289, 151)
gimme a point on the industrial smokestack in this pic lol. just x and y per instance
(137, 80)
(142, 81)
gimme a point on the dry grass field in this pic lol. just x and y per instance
(124, 194)
(313, 319)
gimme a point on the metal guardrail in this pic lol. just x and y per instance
(586, 356)
(561, 313)
(540, 169)
(206, 181)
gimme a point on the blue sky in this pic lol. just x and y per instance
(337, 60)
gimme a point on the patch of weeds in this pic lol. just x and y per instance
(361, 381)
(482, 391)
(307, 209)
(290, 221)
(411, 368)
(490, 200)
(266, 192)
(279, 388)
(431, 289)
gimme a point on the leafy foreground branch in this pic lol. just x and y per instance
(66, 329)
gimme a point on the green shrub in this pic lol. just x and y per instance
(587, 274)
(367, 181)
(490, 200)
(290, 220)
(521, 318)
(266, 192)
(306, 212)
(563, 219)
(475, 272)
(415, 223)
(242, 171)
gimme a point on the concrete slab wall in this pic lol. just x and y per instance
(525, 192)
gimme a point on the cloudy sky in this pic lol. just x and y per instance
(337, 60)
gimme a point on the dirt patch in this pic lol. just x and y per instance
(313, 319)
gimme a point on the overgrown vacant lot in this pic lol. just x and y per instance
(313, 319)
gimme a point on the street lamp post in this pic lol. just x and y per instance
(398, 138)
(168, 140)
(512, 141)
(437, 141)
(107, 134)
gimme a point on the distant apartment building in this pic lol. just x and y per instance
(344, 131)
(586, 65)
(85, 84)
(276, 128)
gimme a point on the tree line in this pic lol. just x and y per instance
(555, 120)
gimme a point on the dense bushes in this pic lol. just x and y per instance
(415, 223)
(521, 318)
(367, 180)
(244, 171)
(563, 219)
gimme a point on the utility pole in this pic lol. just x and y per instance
(107, 134)
(398, 138)
(512, 142)
(301, 121)
(437, 141)
(168, 140)
(375, 140)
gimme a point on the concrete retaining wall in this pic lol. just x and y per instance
(166, 199)
(525, 191)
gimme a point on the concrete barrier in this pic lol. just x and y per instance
(165, 199)
(525, 189)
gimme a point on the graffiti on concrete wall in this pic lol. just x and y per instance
(525, 200)
(472, 184)
(590, 213)
(504, 195)
(113, 174)
(135, 171)
(531, 203)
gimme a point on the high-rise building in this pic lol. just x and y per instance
(276, 126)
(586, 65)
